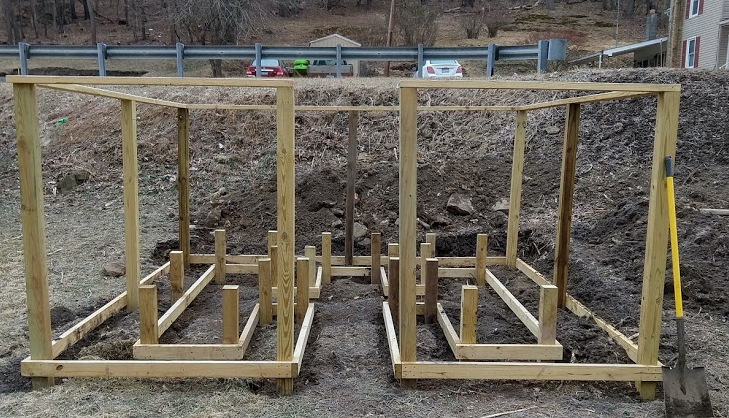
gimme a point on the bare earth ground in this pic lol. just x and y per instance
(346, 367)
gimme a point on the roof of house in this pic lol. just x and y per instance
(625, 49)
(338, 36)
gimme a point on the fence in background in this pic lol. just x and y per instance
(542, 52)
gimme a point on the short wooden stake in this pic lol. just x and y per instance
(393, 250)
(231, 314)
(481, 246)
(177, 274)
(430, 276)
(469, 306)
(302, 288)
(430, 239)
(393, 295)
(375, 250)
(425, 253)
(220, 249)
(148, 331)
(272, 241)
(548, 314)
(326, 257)
(310, 253)
(264, 291)
(274, 265)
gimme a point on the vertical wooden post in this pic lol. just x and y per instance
(351, 179)
(131, 201)
(177, 275)
(430, 239)
(566, 192)
(426, 252)
(148, 331)
(302, 288)
(220, 250)
(393, 294)
(272, 242)
(264, 291)
(654, 270)
(34, 226)
(310, 253)
(481, 254)
(285, 182)
(517, 169)
(231, 314)
(548, 314)
(326, 257)
(183, 181)
(408, 223)
(469, 307)
(431, 290)
(274, 265)
(375, 250)
(393, 250)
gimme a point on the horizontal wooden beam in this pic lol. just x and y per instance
(152, 81)
(111, 94)
(174, 312)
(457, 272)
(306, 108)
(359, 261)
(241, 268)
(513, 303)
(530, 371)
(157, 368)
(531, 273)
(188, 351)
(222, 106)
(509, 351)
(345, 271)
(535, 85)
(391, 339)
(591, 98)
(450, 333)
(303, 337)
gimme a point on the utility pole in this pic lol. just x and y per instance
(390, 25)
(675, 32)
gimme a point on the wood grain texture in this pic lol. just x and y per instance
(220, 249)
(264, 291)
(469, 320)
(517, 172)
(547, 315)
(351, 179)
(326, 257)
(183, 182)
(481, 248)
(177, 275)
(148, 330)
(431, 290)
(231, 313)
(302, 288)
(375, 250)
(131, 201)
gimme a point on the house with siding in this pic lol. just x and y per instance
(706, 34)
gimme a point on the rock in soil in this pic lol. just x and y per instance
(459, 204)
(114, 269)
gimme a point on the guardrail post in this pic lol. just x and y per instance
(491, 60)
(339, 61)
(542, 54)
(101, 58)
(258, 60)
(23, 52)
(180, 49)
(421, 60)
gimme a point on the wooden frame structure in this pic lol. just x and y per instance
(396, 272)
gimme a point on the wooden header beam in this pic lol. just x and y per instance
(535, 85)
(111, 94)
(591, 98)
(151, 81)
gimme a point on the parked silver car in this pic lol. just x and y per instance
(440, 69)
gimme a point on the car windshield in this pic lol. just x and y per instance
(267, 63)
(444, 62)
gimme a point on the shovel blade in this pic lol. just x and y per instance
(687, 400)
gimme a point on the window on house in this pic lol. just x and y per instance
(690, 53)
(694, 8)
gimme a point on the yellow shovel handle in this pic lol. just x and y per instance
(674, 239)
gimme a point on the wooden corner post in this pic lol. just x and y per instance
(285, 182)
(566, 192)
(34, 227)
(183, 181)
(131, 201)
(517, 170)
(656, 247)
(408, 223)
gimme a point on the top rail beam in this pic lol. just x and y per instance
(539, 85)
(151, 81)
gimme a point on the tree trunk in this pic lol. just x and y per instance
(34, 17)
(44, 8)
(629, 7)
(217, 67)
(13, 31)
(550, 4)
(93, 22)
(72, 9)
(87, 14)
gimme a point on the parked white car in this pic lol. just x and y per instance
(441, 69)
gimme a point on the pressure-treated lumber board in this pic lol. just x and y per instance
(303, 337)
(631, 349)
(430, 276)
(264, 290)
(425, 254)
(530, 371)
(654, 266)
(33, 224)
(467, 108)
(513, 303)
(517, 171)
(274, 265)
(285, 203)
(566, 193)
(241, 268)
(457, 272)
(80, 330)
(153, 81)
(183, 182)
(157, 368)
(250, 328)
(111, 94)
(481, 248)
(310, 253)
(509, 351)
(314, 291)
(188, 351)
(547, 314)
(534, 85)
(174, 312)
(302, 288)
(469, 320)
(448, 330)
(131, 201)
(220, 250)
(393, 250)
(326, 257)
(375, 259)
(391, 338)
(350, 271)
(272, 237)
(221, 106)
(393, 296)
(307, 108)
(148, 333)
(177, 275)
(430, 238)
(591, 98)
(231, 313)
(351, 178)
(721, 212)
(531, 273)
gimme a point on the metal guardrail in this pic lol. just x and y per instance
(542, 52)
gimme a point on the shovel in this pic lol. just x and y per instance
(684, 390)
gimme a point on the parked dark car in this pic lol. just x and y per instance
(269, 68)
